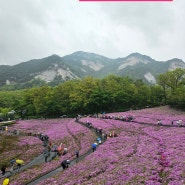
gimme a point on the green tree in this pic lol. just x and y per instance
(178, 98)
(163, 81)
(171, 80)
(61, 97)
(42, 101)
(175, 78)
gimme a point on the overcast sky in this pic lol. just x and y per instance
(32, 29)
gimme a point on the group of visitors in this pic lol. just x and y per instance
(60, 150)
(129, 118)
(88, 124)
(12, 164)
(117, 117)
(179, 122)
(103, 137)
(48, 147)
(46, 143)
(100, 131)
(159, 122)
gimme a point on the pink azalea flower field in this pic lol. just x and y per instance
(66, 131)
(140, 155)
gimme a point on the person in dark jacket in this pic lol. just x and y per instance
(65, 164)
(3, 170)
(77, 154)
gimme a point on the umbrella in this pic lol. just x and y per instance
(6, 181)
(94, 145)
(18, 161)
(98, 139)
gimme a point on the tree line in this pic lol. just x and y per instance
(92, 95)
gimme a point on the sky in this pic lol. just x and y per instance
(33, 29)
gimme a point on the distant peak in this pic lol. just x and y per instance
(87, 55)
(54, 55)
(79, 53)
(138, 55)
(135, 54)
(175, 59)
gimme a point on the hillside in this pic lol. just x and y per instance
(55, 69)
(142, 152)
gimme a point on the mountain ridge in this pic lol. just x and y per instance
(79, 64)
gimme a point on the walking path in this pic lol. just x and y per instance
(59, 168)
(38, 160)
(41, 158)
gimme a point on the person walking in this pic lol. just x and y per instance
(18, 167)
(77, 154)
(19, 164)
(159, 122)
(94, 146)
(65, 164)
(3, 170)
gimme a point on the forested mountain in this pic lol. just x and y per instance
(55, 69)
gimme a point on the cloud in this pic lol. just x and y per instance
(38, 28)
(157, 27)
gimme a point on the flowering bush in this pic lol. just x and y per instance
(141, 154)
(66, 131)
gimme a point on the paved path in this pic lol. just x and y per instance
(41, 159)
(38, 160)
(59, 168)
